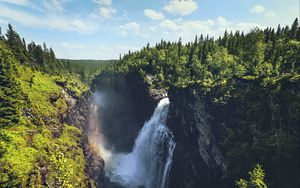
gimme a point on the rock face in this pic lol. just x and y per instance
(78, 115)
(128, 104)
(197, 161)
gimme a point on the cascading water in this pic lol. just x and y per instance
(149, 163)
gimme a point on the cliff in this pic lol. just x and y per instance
(217, 143)
(126, 104)
(197, 161)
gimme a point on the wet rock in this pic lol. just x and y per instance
(128, 102)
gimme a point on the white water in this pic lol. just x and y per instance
(149, 163)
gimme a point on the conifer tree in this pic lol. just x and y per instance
(294, 29)
(10, 93)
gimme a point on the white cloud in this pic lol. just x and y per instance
(257, 9)
(105, 9)
(169, 24)
(54, 6)
(188, 29)
(103, 2)
(106, 12)
(181, 7)
(270, 14)
(16, 2)
(52, 22)
(131, 27)
(153, 14)
(153, 28)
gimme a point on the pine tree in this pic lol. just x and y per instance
(14, 41)
(10, 93)
(294, 29)
(225, 39)
(52, 56)
(298, 34)
(278, 32)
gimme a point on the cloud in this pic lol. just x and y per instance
(54, 6)
(103, 2)
(260, 9)
(257, 9)
(169, 24)
(153, 14)
(132, 28)
(270, 14)
(52, 22)
(188, 29)
(106, 12)
(105, 9)
(16, 2)
(153, 28)
(181, 7)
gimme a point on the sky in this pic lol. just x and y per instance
(104, 29)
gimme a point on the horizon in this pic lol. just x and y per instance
(104, 29)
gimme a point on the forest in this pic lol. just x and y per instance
(38, 147)
(257, 72)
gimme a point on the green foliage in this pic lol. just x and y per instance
(17, 158)
(36, 148)
(10, 93)
(256, 179)
(250, 83)
(255, 75)
(85, 69)
(62, 171)
(211, 65)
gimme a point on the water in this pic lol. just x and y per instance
(149, 163)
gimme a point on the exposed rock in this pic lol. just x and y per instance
(197, 161)
(95, 166)
(128, 105)
(54, 97)
(27, 112)
(158, 94)
(78, 116)
(70, 99)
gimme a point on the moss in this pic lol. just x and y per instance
(18, 158)
(39, 87)
(28, 144)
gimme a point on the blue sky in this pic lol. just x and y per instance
(102, 29)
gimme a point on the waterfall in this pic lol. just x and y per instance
(149, 163)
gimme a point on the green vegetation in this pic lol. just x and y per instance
(36, 148)
(207, 63)
(250, 82)
(86, 69)
(256, 179)
(254, 75)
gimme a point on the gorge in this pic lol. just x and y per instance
(209, 113)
